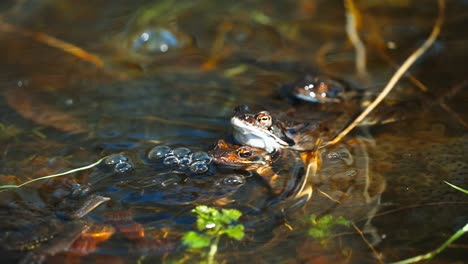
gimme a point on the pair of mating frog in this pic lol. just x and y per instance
(287, 149)
(282, 147)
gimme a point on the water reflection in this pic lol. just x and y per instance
(59, 112)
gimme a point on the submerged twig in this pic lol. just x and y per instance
(352, 21)
(377, 255)
(409, 207)
(449, 110)
(6, 187)
(396, 77)
(54, 42)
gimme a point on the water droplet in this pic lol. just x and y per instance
(159, 152)
(199, 167)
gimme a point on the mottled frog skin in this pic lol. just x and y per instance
(238, 156)
(263, 130)
(281, 170)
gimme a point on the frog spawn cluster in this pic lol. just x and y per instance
(119, 162)
(184, 160)
(181, 159)
(178, 160)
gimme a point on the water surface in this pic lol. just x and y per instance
(173, 73)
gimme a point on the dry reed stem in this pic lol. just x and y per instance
(396, 77)
(352, 23)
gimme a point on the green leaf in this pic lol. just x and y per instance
(317, 232)
(194, 240)
(236, 232)
(206, 217)
(205, 224)
(325, 221)
(313, 219)
(322, 227)
(232, 214)
(342, 221)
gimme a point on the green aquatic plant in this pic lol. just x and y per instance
(431, 254)
(212, 224)
(449, 241)
(457, 188)
(321, 228)
(9, 186)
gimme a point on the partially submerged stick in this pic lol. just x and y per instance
(396, 77)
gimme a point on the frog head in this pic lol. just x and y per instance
(263, 130)
(320, 89)
(240, 156)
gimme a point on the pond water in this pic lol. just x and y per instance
(172, 74)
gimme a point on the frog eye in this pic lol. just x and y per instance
(264, 118)
(244, 152)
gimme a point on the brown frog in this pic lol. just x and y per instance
(269, 132)
(321, 89)
(283, 170)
